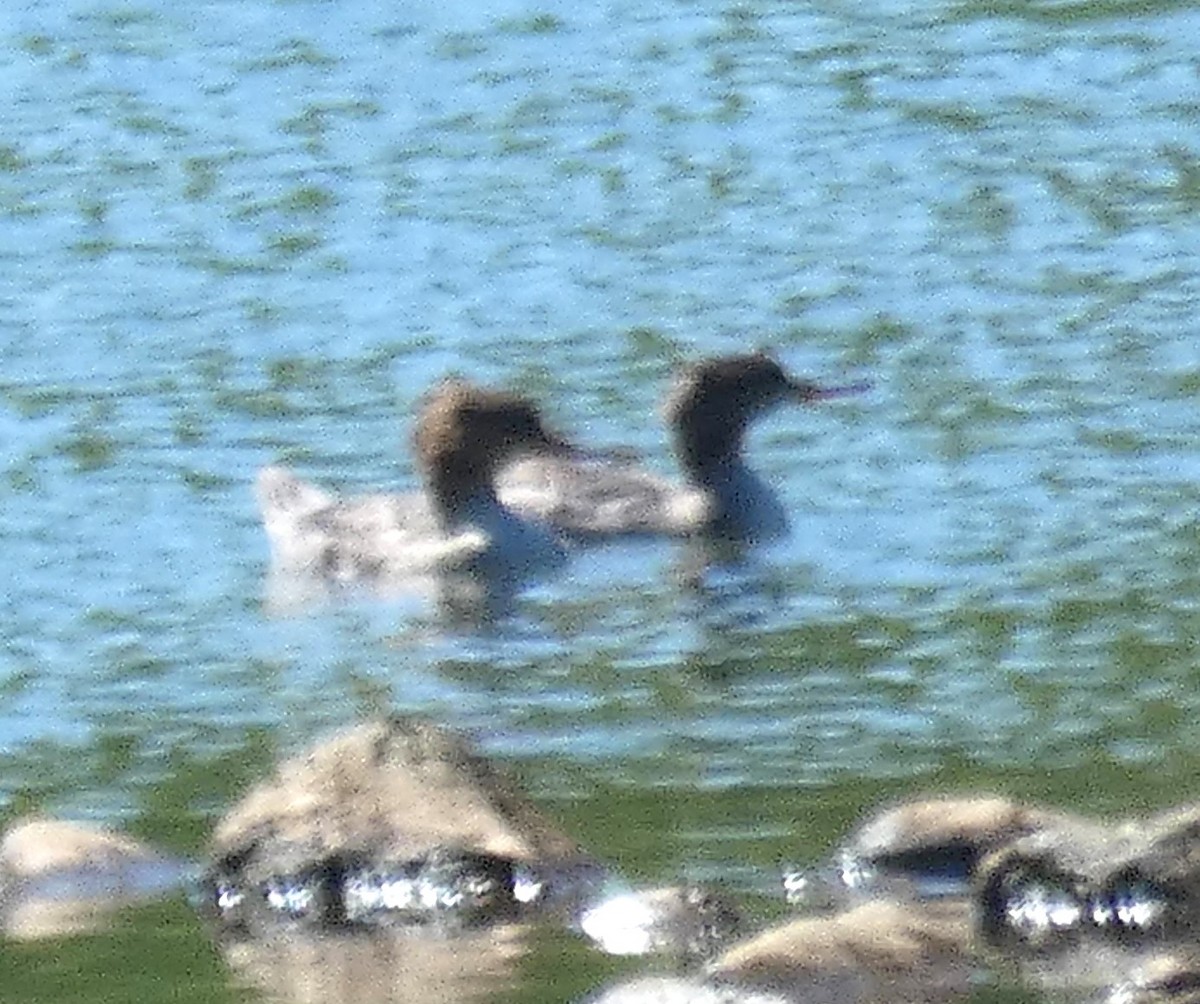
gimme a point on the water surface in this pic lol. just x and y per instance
(246, 232)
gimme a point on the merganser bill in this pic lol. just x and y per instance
(708, 411)
(463, 434)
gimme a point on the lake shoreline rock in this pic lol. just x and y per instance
(59, 877)
(395, 832)
(397, 822)
(392, 818)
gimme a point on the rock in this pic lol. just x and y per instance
(924, 847)
(680, 990)
(397, 822)
(61, 878)
(877, 953)
(391, 820)
(1171, 977)
(688, 921)
(1089, 904)
(880, 951)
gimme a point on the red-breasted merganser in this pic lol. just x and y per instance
(463, 434)
(708, 411)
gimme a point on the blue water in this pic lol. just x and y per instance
(246, 232)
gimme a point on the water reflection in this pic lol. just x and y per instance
(380, 967)
(457, 601)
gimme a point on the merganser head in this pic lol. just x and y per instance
(714, 401)
(464, 434)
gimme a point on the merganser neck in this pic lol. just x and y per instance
(713, 404)
(458, 490)
(707, 444)
(463, 435)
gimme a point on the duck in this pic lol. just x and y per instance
(60, 878)
(462, 435)
(708, 411)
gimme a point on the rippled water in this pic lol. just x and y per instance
(243, 232)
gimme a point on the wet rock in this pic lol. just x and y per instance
(391, 821)
(925, 847)
(877, 953)
(396, 823)
(429, 964)
(59, 878)
(1091, 904)
(680, 990)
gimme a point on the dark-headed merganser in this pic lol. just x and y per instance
(708, 411)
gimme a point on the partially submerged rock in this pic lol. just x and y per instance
(877, 953)
(924, 847)
(398, 823)
(690, 921)
(1171, 977)
(1090, 903)
(59, 877)
(391, 820)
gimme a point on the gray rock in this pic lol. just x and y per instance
(689, 921)
(680, 990)
(879, 951)
(398, 823)
(921, 848)
(1172, 977)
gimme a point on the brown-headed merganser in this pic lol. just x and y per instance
(463, 434)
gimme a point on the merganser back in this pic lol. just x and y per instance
(708, 411)
(463, 433)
